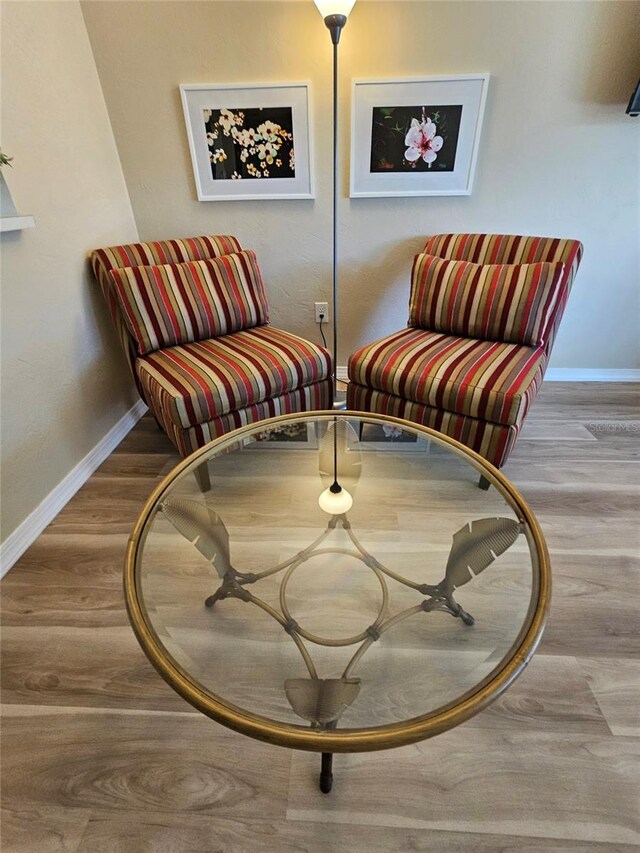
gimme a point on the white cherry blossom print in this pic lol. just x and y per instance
(243, 144)
(227, 120)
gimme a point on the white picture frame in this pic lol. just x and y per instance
(291, 102)
(378, 165)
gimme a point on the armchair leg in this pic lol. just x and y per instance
(483, 483)
(202, 476)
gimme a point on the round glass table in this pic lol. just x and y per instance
(343, 584)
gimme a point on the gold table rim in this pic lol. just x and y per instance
(348, 740)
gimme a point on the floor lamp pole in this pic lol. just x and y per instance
(335, 499)
(335, 25)
(335, 219)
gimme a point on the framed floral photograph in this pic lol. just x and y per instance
(249, 141)
(383, 436)
(417, 136)
(295, 436)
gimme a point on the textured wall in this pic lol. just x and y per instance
(558, 155)
(64, 381)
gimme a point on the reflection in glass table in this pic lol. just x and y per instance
(343, 586)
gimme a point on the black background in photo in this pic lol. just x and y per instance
(390, 126)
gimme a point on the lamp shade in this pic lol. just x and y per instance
(334, 7)
(335, 503)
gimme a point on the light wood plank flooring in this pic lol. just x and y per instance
(99, 755)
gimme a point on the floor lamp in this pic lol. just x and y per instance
(335, 499)
(335, 13)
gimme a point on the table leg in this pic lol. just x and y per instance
(326, 775)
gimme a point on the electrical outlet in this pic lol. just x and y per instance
(322, 308)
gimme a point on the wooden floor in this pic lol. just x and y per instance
(100, 755)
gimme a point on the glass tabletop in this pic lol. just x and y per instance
(343, 575)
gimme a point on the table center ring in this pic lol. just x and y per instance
(328, 641)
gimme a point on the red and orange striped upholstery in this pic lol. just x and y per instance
(492, 441)
(142, 254)
(307, 399)
(196, 382)
(494, 302)
(483, 379)
(171, 304)
(514, 249)
(192, 316)
(451, 373)
(160, 252)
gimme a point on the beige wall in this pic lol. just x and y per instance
(64, 381)
(558, 155)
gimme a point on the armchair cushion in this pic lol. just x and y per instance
(497, 302)
(168, 304)
(493, 441)
(482, 379)
(195, 383)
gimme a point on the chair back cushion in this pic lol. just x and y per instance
(514, 249)
(141, 254)
(159, 252)
(169, 304)
(496, 302)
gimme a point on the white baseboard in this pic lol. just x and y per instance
(562, 374)
(589, 374)
(23, 536)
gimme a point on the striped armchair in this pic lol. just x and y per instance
(193, 318)
(483, 315)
